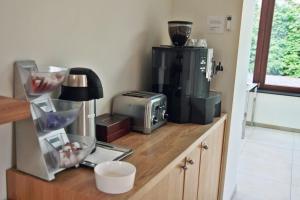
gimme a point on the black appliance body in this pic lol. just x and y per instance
(183, 74)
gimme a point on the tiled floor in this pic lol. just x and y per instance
(269, 167)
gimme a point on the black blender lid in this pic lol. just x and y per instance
(180, 22)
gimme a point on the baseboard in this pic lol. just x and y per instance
(282, 128)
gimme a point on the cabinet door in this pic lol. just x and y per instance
(210, 165)
(170, 187)
(192, 175)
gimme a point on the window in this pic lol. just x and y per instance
(275, 51)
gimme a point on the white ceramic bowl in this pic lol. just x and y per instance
(115, 177)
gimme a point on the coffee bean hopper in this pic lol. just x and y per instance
(43, 148)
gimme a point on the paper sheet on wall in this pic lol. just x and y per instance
(216, 24)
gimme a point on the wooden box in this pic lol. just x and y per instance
(110, 127)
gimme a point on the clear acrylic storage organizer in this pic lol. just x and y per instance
(68, 150)
(59, 114)
(41, 82)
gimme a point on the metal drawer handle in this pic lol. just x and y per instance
(184, 167)
(205, 146)
(190, 161)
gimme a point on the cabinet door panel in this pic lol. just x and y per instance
(192, 175)
(170, 187)
(210, 165)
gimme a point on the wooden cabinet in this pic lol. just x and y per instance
(181, 183)
(197, 176)
(210, 165)
(170, 187)
(191, 175)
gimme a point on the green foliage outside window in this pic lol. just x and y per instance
(284, 52)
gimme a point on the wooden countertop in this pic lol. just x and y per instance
(13, 110)
(153, 156)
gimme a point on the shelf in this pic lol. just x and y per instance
(13, 110)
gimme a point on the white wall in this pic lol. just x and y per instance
(112, 37)
(277, 110)
(233, 49)
(239, 98)
(6, 158)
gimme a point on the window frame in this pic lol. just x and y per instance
(262, 49)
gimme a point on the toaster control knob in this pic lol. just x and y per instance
(164, 115)
(154, 120)
(158, 108)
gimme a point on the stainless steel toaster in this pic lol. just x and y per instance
(147, 109)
